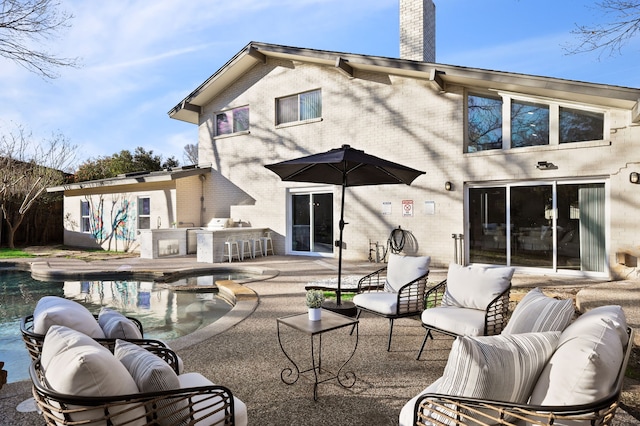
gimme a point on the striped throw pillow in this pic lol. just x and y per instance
(537, 312)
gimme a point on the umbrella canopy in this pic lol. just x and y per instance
(344, 166)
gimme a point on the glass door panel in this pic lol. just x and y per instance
(487, 230)
(312, 223)
(532, 225)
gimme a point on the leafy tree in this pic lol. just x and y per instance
(123, 162)
(27, 168)
(190, 155)
(28, 23)
(623, 24)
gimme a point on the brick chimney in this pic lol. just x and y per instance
(418, 30)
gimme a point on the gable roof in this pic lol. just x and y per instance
(440, 74)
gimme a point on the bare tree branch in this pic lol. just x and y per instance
(25, 24)
(623, 24)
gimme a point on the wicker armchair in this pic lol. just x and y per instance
(472, 301)
(438, 409)
(198, 401)
(34, 341)
(395, 291)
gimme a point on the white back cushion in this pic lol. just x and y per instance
(475, 287)
(401, 270)
(585, 366)
(117, 326)
(75, 364)
(54, 310)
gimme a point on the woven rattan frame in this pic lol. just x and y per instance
(410, 301)
(452, 410)
(495, 316)
(58, 409)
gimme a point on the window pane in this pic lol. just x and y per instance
(144, 206)
(484, 129)
(577, 125)
(531, 221)
(84, 207)
(241, 119)
(86, 226)
(287, 109)
(310, 105)
(487, 227)
(144, 223)
(223, 124)
(529, 124)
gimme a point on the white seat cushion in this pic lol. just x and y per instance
(117, 326)
(585, 365)
(406, 414)
(401, 270)
(460, 321)
(75, 364)
(537, 312)
(475, 287)
(381, 301)
(192, 380)
(54, 310)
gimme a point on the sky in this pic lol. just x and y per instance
(140, 58)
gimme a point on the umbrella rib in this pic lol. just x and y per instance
(297, 172)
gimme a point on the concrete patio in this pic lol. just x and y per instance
(241, 351)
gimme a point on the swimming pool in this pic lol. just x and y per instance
(165, 309)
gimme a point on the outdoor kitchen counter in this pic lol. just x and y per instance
(211, 242)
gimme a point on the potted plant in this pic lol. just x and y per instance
(314, 303)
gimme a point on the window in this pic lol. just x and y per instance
(529, 124)
(232, 121)
(496, 121)
(300, 107)
(85, 212)
(484, 123)
(144, 213)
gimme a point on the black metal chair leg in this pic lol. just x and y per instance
(390, 332)
(354, 326)
(424, 342)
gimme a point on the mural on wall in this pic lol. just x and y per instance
(121, 227)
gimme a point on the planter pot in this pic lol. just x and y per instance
(314, 314)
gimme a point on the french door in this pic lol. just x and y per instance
(311, 229)
(554, 225)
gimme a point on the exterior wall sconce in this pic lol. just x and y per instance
(634, 177)
(545, 165)
(448, 186)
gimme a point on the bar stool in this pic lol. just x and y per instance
(244, 246)
(267, 243)
(229, 245)
(256, 245)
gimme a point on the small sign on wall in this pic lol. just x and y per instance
(386, 208)
(429, 207)
(407, 208)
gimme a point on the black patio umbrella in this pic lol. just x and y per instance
(344, 166)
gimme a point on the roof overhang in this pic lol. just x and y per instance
(135, 178)
(440, 75)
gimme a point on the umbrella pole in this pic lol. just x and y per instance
(341, 226)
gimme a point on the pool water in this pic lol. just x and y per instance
(165, 314)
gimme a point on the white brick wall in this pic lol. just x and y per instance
(404, 120)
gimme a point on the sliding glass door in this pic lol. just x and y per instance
(312, 223)
(555, 225)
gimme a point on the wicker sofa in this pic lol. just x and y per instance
(79, 381)
(542, 370)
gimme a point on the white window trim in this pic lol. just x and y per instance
(227, 135)
(140, 197)
(82, 217)
(298, 121)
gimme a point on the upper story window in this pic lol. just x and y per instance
(232, 121)
(85, 213)
(504, 121)
(144, 213)
(300, 107)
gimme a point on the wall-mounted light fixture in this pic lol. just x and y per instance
(545, 165)
(448, 186)
(634, 177)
